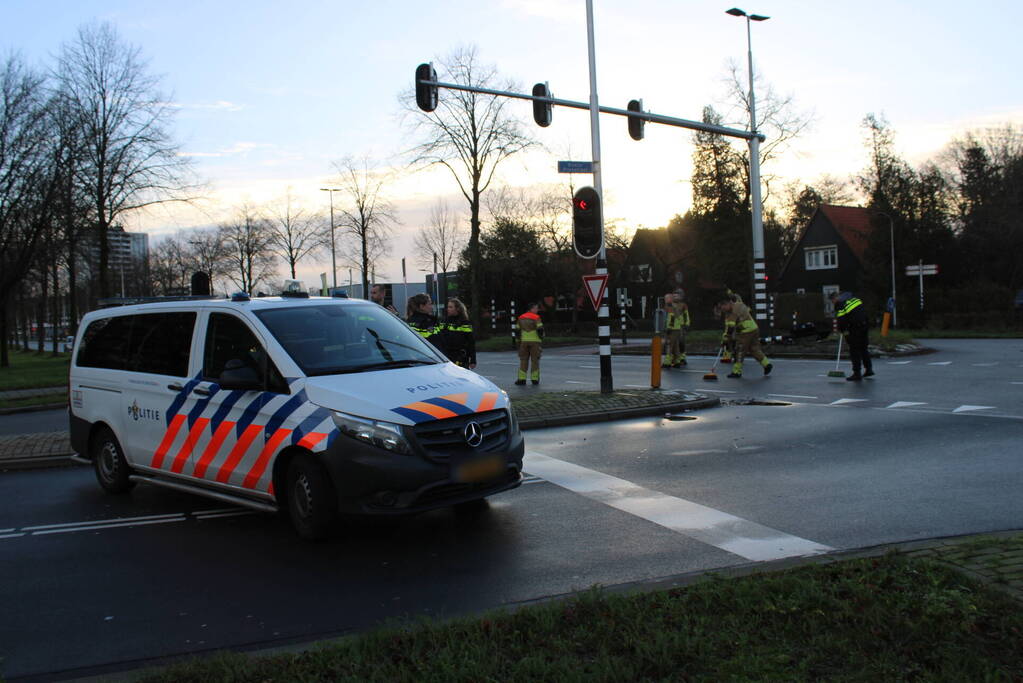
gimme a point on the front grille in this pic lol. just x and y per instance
(442, 439)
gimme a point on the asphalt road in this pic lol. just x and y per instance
(930, 448)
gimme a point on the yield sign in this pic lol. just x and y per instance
(595, 286)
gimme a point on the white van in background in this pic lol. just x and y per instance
(317, 406)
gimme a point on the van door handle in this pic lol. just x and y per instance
(175, 387)
(201, 391)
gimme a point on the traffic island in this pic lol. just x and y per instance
(561, 408)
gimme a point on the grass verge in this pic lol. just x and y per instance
(59, 397)
(31, 370)
(885, 618)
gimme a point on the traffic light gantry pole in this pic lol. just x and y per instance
(588, 208)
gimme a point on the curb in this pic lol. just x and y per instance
(33, 409)
(624, 414)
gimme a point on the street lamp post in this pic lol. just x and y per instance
(759, 269)
(333, 254)
(891, 242)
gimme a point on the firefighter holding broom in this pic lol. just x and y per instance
(677, 324)
(742, 333)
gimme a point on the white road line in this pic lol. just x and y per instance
(984, 365)
(109, 526)
(7, 531)
(945, 362)
(906, 404)
(967, 409)
(233, 513)
(1015, 382)
(590, 367)
(733, 534)
(791, 396)
(703, 452)
(899, 362)
(10, 535)
(572, 381)
(100, 522)
(843, 401)
(636, 386)
(718, 391)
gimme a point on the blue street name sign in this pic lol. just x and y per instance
(575, 167)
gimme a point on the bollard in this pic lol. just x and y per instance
(513, 323)
(655, 362)
(885, 321)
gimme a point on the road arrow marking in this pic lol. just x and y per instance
(906, 404)
(966, 409)
(847, 400)
(944, 362)
(733, 534)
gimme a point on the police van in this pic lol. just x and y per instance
(315, 406)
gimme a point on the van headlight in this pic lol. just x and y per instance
(386, 435)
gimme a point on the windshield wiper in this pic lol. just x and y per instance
(383, 365)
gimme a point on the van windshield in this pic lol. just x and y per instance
(336, 338)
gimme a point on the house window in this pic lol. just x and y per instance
(827, 291)
(820, 258)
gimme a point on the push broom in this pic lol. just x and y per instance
(712, 376)
(836, 372)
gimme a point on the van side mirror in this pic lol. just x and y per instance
(239, 376)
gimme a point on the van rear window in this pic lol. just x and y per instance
(157, 343)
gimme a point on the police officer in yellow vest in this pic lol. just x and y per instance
(852, 321)
(744, 334)
(530, 334)
(675, 330)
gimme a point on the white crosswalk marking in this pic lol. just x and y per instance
(944, 362)
(843, 401)
(906, 404)
(899, 362)
(734, 534)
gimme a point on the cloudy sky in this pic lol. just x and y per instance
(271, 94)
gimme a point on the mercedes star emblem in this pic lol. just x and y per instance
(473, 434)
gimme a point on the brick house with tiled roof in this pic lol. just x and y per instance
(830, 251)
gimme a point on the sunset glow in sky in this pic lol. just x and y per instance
(271, 94)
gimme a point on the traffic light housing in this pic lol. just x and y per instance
(636, 125)
(587, 222)
(542, 111)
(426, 95)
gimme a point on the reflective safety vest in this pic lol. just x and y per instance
(678, 316)
(743, 321)
(850, 304)
(530, 325)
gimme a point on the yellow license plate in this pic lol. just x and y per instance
(480, 469)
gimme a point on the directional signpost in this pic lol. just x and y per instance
(919, 271)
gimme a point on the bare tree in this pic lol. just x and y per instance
(207, 252)
(295, 232)
(24, 186)
(368, 215)
(131, 161)
(441, 241)
(170, 265)
(469, 134)
(777, 117)
(249, 248)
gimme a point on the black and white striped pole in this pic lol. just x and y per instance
(756, 208)
(603, 319)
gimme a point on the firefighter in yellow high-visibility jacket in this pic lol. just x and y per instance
(676, 326)
(745, 334)
(531, 332)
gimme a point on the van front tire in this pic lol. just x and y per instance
(312, 502)
(108, 461)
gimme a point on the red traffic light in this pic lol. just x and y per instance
(581, 204)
